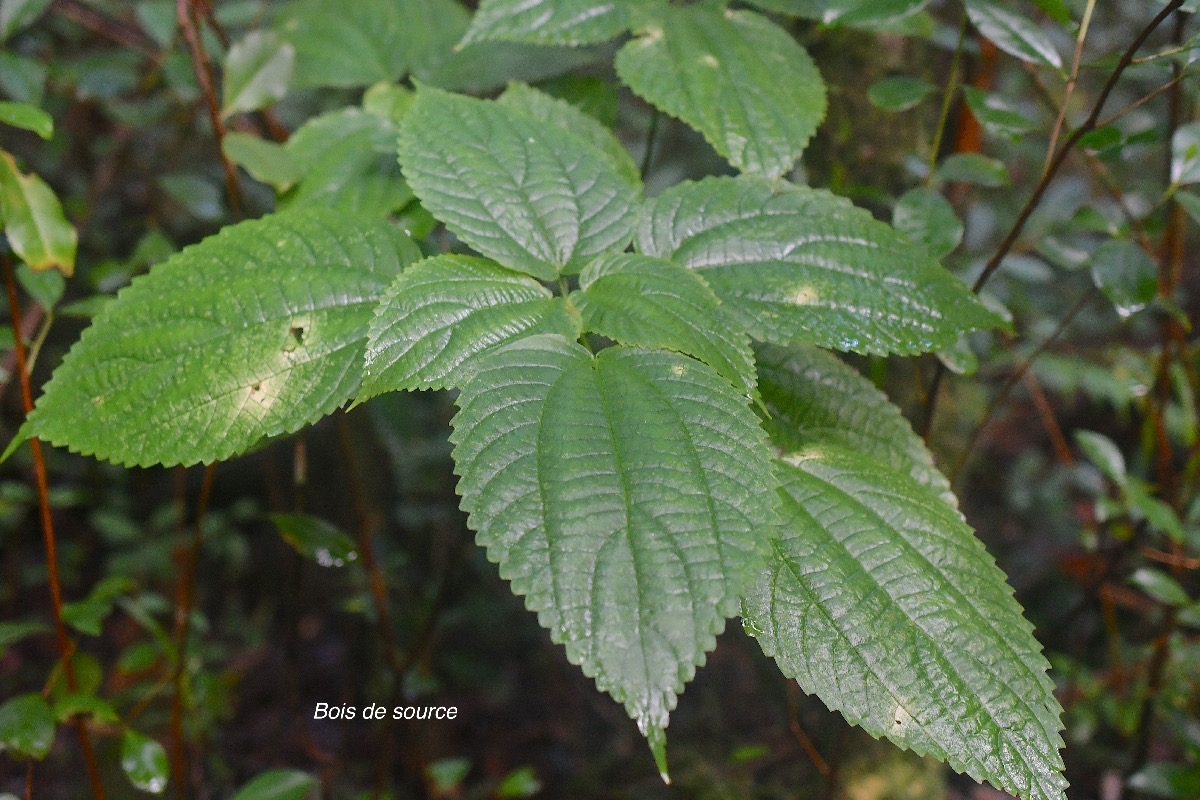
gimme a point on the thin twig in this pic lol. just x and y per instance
(201, 66)
(1071, 81)
(948, 93)
(65, 648)
(106, 26)
(797, 731)
(184, 590)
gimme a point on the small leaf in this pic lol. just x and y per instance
(16, 14)
(23, 79)
(316, 539)
(973, 168)
(1160, 586)
(33, 220)
(1126, 274)
(278, 784)
(997, 117)
(534, 197)
(1167, 780)
(736, 77)
(880, 601)
(899, 92)
(194, 193)
(521, 782)
(869, 14)
(144, 762)
(1185, 154)
(252, 333)
(87, 705)
(28, 117)
(438, 316)
(26, 726)
(553, 111)
(12, 632)
(648, 302)
(926, 217)
(1190, 203)
(88, 615)
(1101, 451)
(45, 288)
(625, 495)
(1013, 33)
(570, 22)
(814, 398)
(257, 71)
(266, 161)
(794, 265)
(349, 44)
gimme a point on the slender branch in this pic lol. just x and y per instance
(1071, 81)
(947, 97)
(202, 67)
(1048, 175)
(1143, 100)
(184, 591)
(65, 646)
(797, 731)
(106, 26)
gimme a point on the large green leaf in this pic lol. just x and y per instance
(534, 197)
(32, 219)
(553, 111)
(736, 77)
(627, 496)
(440, 314)
(571, 22)
(796, 265)
(348, 162)
(870, 14)
(814, 398)
(254, 332)
(880, 601)
(348, 44)
(648, 302)
(1013, 33)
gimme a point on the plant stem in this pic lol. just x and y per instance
(947, 99)
(65, 647)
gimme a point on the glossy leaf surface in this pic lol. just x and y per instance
(570, 22)
(880, 601)
(626, 496)
(736, 77)
(795, 265)
(534, 197)
(442, 313)
(252, 333)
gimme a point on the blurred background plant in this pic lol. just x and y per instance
(1045, 150)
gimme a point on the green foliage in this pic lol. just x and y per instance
(652, 435)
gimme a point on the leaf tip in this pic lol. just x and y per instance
(656, 737)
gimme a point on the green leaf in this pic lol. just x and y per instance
(870, 14)
(996, 116)
(87, 705)
(552, 111)
(45, 287)
(1013, 33)
(350, 44)
(569, 22)
(926, 217)
(257, 71)
(532, 196)
(1167, 780)
(899, 92)
(252, 333)
(736, 77)
(438, 316)
(880, 601)
(795, 265)
(278, 784)
(648, 302)
(28, 117)
(16, 14)
(33, 220)
(973, 168)
(144, 762)
(1126, 274)
(1160, 586)
(316, 539)
(195, 194)
(348, 159)
(625, 495)
(521, 782)
(88, 615)
(1185, 154)
(26, 726)
(266, 161)
(11, 632)
(814, 399)
(22, 79)
(1102, 452)
(1190, 203)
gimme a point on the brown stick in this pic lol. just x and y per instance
(65, 646)
(202, 66)
(106, 26)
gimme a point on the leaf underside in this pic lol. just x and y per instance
(627, 496)
(442, 312)
(795, 265)
(736, 77)
(533, 197)
(254, 332)
(880, 601)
